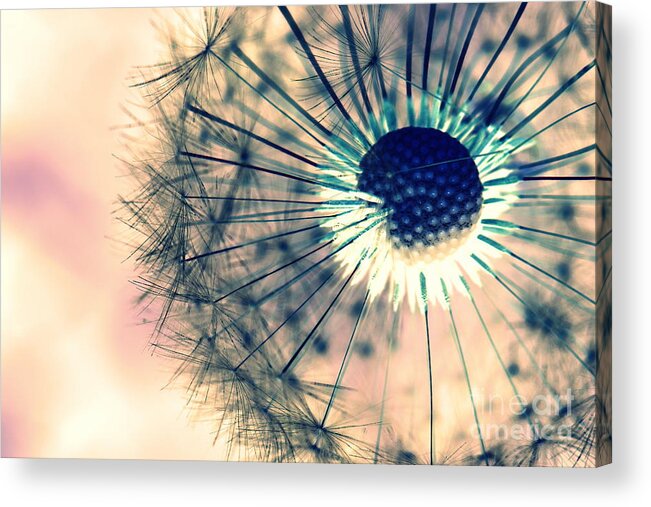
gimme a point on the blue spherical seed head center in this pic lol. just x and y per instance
(427, 182)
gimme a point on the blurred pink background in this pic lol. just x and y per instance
(77, 376)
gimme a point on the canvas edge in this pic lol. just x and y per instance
(603, 227)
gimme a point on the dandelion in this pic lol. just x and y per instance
(367, 233)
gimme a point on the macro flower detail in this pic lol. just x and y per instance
(368, 233)
(417, 164)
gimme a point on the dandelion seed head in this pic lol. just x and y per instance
(359, 223)
(428, 183)
(424, 194)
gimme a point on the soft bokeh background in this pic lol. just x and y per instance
(77, 380)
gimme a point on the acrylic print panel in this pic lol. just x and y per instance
(341, 234)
